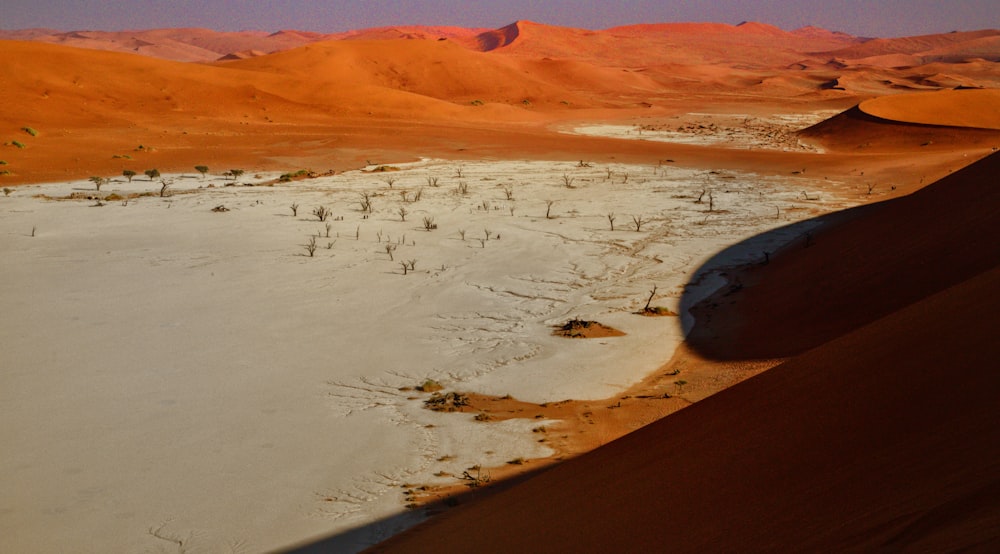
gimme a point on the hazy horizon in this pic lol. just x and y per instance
(891, 18)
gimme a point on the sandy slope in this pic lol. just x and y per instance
(977, 108)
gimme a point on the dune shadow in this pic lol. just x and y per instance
(846, 269)
(366, 536)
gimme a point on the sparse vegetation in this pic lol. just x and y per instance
(567, 181)
(98, 182)
(7, 191)
(429, 223)
(30, 131)
(203, 169)
(477, 480)
(152, 173)
(164, 185)
(366, 202)
(321, 212)
(295, 209)
(449, 402)
(651, 310)
(508, 192)
(611, 220)
(402, 213)
(128, 174)
(637, 221)
(311, 246)
(17, 144)
(548, 208)
(234, 173)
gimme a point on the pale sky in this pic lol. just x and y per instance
(884, 18)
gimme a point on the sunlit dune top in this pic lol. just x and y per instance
(956, 108)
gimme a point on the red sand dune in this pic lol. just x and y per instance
(883, 438)
(365, 96)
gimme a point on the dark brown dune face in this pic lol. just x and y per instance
(870, 261)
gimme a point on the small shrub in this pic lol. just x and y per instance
(477, 102)
(295, 209)
(321, 212)
(637, 221)
(7, 191)
(128, 174)
(203, 169)
(311, 246)
(152, 173)
(402, 213)
(17, 144)
(430, 385)
(449, 402)
(30, 131)
(429, 223)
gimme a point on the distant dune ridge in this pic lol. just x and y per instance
(85, 94)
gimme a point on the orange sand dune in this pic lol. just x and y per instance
(955, 108)
(861, 133)
(750, 44)
(883, 437)
(333, 103)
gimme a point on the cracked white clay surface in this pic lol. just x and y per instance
(177, 378)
